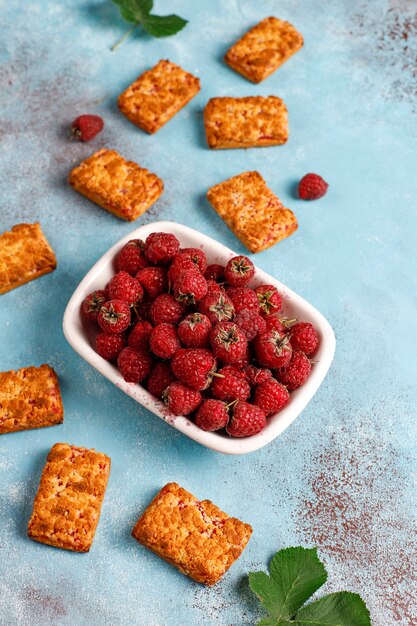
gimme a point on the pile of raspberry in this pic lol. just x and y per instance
(198, 337)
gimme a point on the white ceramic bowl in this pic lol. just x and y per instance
(81, 336)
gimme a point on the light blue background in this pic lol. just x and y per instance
(341, 477)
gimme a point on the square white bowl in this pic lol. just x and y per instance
(80, 335)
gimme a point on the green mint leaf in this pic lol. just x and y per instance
(337, 609)
(163, 26)
(295, 574)
(134, 10)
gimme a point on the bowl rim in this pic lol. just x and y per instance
(277, 423)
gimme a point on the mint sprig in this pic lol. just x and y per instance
(295, 574)
(138, 12)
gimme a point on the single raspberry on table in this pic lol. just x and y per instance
(197, 256)
(271, 396)
(312, 187)
(92, 304)
(304, 337)
(212, 415)
(165, 308)
(153, 280)
(257, 375)
(243, 298)
(228, 342)
(194, 367)
(229, 384)
(181, 399)
(269, 298)
(109, 346)
(86, 127)
(273, 349)
(239, 271)
(181, 263)
(134, 365)
(247, 420)
(131, 257)
(217, 306)
(161, 248)
(114, 316)
(190, 287)
(194, 330)
(159, 379)
(251, 323)
(139, 335)
(296, 372)
(163, 341)
(123, 287)
(215, 272)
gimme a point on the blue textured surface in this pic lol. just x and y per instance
(341, 477)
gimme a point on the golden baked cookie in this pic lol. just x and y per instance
(29, 398)
(264, 48)
(195, 536)
(157, 95)
(25, 254)
(252, 211)
(251, 122)
(119, 186)
(68, 503)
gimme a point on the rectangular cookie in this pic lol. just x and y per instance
(29, 398)
(25, 254)
(119, 186)
(251, 122)
(157, 95)
(250, 209)
(195, 536)
(68, 503)
(264, 48)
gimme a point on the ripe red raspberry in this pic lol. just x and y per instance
(163, 341)
(271, 396)
(247, 420)
(239, 271)
(197, 256)
(273, 322)
(161, 248)
(114, 316)
(312, 187)
(143, 310)
(109, 346)
(273, 349)
(244, 361)
(194, 330)
(212, 415)
(228, 342)
(86, 127)
(243, 298)
(160, 377)
(269, 299)
(217, 306)
(180, 399)
(153, 280)
(296, 372)
(131, 257)
(123, 287)
(229, 384)
(181, 263)
(215, 272)
(213, 287)
(251, 323)
(304, 337)
(190, 287)
(165, 309)
(134, 365)
(92, 304)
(139, 336)
(194, 367)
(257, 375)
